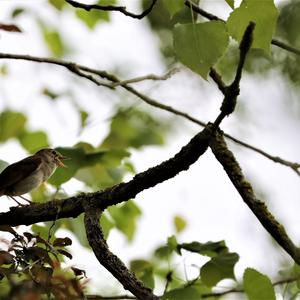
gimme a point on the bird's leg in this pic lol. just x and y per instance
(28, 201)
(11, 197)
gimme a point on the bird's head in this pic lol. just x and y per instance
(52, 155)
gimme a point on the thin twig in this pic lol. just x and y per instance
(121, 9)
(112, 78)
(146, 77)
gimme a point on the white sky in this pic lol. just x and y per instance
(203, 194)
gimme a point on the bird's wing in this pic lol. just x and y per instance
(18, 171)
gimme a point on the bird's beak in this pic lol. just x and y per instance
(59, 161)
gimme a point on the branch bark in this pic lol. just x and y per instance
(244, 188)
(121, 9)
(110, 261)
(74, 206)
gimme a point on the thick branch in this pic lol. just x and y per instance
(110, 261)
(121, 9)
(260, 210)
(103, 74)
(73, 206)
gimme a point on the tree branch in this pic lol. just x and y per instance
(74, 206)
(112, 78)
(232, 91)
(260, 210)
(121, 9)
(110, 261)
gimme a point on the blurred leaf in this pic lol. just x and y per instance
(189, 292)
(199, 46)
(258, 286)
(17, 12)
(91, 18)
(230, 3)
(6, 258)
(53, 41)
(107, 172)
(180, 223)
(3, 70)
(173, 6)
(42, 275)
(34, 140)
(83, 118)
(125, 217)
(10, 27)
(218, 268)
(210, 249)
(265, 19)
(172, 243)
(163, 252)
(11, 124)
(289, 22)
(75, 226)
(42, 231)
(49, 93)
(143, 269)
(134, 128)
(78, 158)
(3, 165)
(58, 4)
(106, 225)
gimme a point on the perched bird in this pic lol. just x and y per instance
(29, 173)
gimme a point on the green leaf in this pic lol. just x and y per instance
(264, 14)
(83, 118)
(180, 223)
(78, 158)
(75, 226)
(106, 225)
(17, 12)
(173, 6)
(230, 3)
(218, 268)
(58, 4)
(11, 125)
(34, 141)
(125, 218)
(258, 286)
(144, 271)
(199, 46)
(3, 165)
(172, 243)
(91, 18)
(54, 41)
(190, 293)
(134, 128)
(210, 249)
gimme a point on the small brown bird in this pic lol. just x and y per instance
(29, 173)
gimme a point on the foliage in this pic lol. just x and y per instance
(31, 265)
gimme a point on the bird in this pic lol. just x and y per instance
(29, 173)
